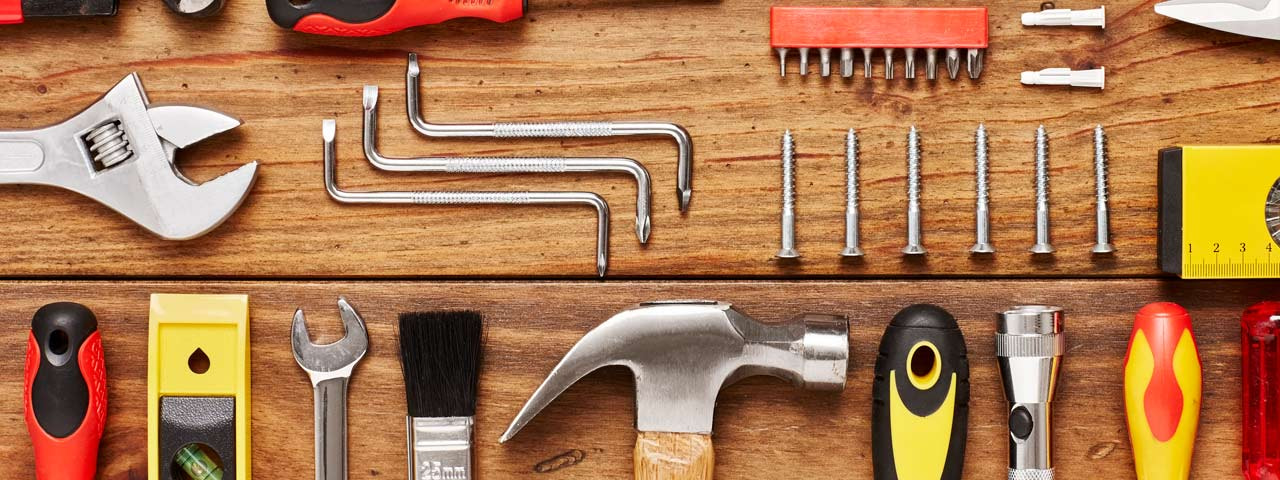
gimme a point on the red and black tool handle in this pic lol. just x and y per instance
(66, 391)
(368, 18)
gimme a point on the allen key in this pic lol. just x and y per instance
(329, 128)
(507, 164)
(569, 129)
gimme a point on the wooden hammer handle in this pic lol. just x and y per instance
(674, 456)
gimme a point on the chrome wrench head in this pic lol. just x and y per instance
(334, 360)
(1255, 18)
(120, 152)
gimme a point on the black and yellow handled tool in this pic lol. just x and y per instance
(920, 399)
(1220, 211)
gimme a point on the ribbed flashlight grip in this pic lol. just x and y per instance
(1030, 474)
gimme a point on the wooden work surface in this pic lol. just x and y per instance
(764, 428)
(703, 64)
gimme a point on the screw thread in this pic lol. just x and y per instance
(1042, 168)
(1100, 162)
(788, 172)
(913, 166)
(980, 156)
(851, 167)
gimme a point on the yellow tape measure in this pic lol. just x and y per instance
(1220, 211)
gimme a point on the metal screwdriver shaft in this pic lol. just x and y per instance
(851, 248)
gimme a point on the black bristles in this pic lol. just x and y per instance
(440, 357)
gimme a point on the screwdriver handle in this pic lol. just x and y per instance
(368, 18)
(65, 394)
(920, 397)
(1162, 391)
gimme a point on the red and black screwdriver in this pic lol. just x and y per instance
(66, 391)
(368, 18)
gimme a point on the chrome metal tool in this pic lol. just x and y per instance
(1255, 18)
(329, 129)
(120, 152)
(507, 164)
(329, 367)
(682, 353)
(567, 129)
(1029, 349)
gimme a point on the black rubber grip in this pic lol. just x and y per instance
(919, 327)
(59, 393)
(287, 14)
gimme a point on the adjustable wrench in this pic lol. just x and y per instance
(120, 151)
(329, 367)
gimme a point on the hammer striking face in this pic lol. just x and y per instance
(682, 354)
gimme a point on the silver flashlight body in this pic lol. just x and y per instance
(1029, 349)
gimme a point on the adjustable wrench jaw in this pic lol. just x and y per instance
(120, 152)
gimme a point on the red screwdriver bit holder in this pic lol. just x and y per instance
(866, 27)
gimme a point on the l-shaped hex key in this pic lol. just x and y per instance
(570, 129)
(467, 198)
(506, 164)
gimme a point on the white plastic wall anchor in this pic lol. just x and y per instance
(1066, 17)
(1096, 78)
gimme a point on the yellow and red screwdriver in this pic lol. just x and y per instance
(1162, 387)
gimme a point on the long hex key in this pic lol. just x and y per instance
(570, 129)
(329, 128)
(505, 164)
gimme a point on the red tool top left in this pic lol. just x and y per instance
(66, 391)
(367, 18)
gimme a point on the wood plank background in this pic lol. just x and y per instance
(764, 428)
(704, 64)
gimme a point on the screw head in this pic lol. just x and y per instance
(788, 253)
(913, 250)
(851, 252)
(982, 248)
(1104, 248)
(1042, 249)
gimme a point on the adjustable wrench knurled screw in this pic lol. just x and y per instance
(329, 367)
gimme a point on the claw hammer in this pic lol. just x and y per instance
(329, 367)
(682, 353)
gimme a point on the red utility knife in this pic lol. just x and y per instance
(66, 391)
(368, 18)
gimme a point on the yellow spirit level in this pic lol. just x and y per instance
(1220, 211)
(198, 387)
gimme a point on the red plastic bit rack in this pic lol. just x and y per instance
(871, 27)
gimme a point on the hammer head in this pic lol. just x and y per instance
(684, 352)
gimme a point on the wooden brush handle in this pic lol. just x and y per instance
(674, 456)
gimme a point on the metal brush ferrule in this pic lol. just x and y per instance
(440, 448)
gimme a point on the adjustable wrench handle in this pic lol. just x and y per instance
(23, 153)
(331, 428)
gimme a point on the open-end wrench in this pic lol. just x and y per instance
(329, 367)
(120, 151)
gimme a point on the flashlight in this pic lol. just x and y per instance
(1029, 348)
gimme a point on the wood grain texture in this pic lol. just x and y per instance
(701, 63)
(674, 456)
(764, 428)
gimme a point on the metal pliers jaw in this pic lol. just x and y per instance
(120, 152)
(1255, 18)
